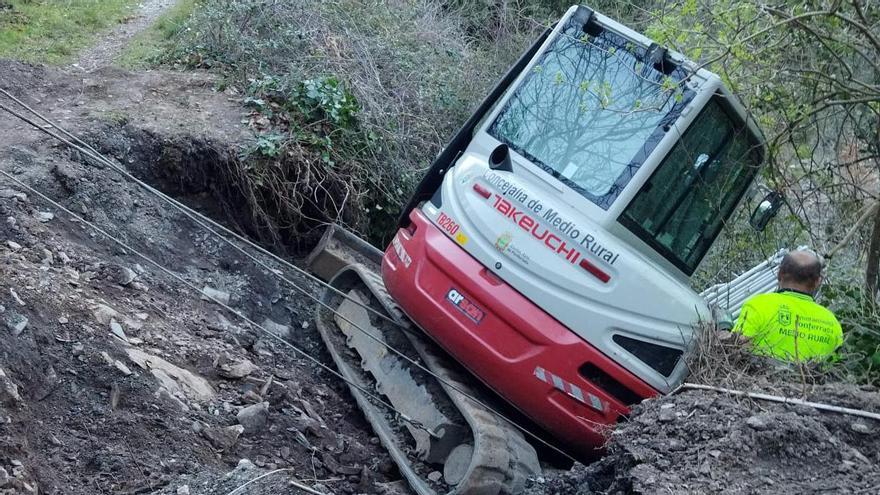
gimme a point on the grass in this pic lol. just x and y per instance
(54, 31)
(149, 47)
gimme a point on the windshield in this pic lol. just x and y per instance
(681, 208)
(591, 111)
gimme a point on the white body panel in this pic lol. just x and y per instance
(646, 296)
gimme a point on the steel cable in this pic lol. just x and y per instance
(196, 216)
(91, 152)
(213, 299)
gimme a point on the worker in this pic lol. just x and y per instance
(787, 324)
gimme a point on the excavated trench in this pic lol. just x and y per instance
(281, 204)
(194, 170)
(691, 442)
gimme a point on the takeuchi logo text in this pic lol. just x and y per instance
(533, 208)
(530, 225)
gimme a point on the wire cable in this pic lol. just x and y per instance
(213, 299)
(195, 216)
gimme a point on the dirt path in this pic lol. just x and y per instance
(103, 53)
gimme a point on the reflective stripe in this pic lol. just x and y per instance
(569, 389)
(539, 372)
(576, 392)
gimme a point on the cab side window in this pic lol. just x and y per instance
(680, 210)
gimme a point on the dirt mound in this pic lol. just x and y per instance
(706, 442)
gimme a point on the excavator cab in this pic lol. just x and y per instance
(548, 251)
(551, 244)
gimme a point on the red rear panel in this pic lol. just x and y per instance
(518, 350)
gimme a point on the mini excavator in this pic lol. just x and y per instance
(542, 266)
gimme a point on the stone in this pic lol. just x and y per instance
(45, 216)
(13, 245)
(122, 367)
(177, 381)
(666, 415)
(237, 370)
(68, 178)
(8, 390)
(223, 438)
(183, 490)
(435, 476)
(124, 275)
(277, 329)
(16, 323)
(757, 422)
(106, 357)
(214, 295)
(860, 427)
(117, 330)
(254, 418)
(11, 193)
(4, 477)
(103, 314)
(18, 300)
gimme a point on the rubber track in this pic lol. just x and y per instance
(502, 458)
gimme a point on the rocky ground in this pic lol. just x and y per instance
(116, 377)
(706, 442)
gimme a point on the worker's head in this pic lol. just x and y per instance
(801, 271)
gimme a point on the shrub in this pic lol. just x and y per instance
(365, 93)
(304, 168)
(860, 318)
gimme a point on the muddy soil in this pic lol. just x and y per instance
(116, 378)
(705, 442)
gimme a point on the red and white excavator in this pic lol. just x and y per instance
(543, 260)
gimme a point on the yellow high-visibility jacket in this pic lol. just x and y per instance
(790, 326)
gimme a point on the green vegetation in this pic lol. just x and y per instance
(53, 31)
(351, 100)
(859, 317)
(807, 71)
(150, 46)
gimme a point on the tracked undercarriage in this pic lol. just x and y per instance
(446, 443)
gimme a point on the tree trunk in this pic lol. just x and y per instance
(872, 272)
